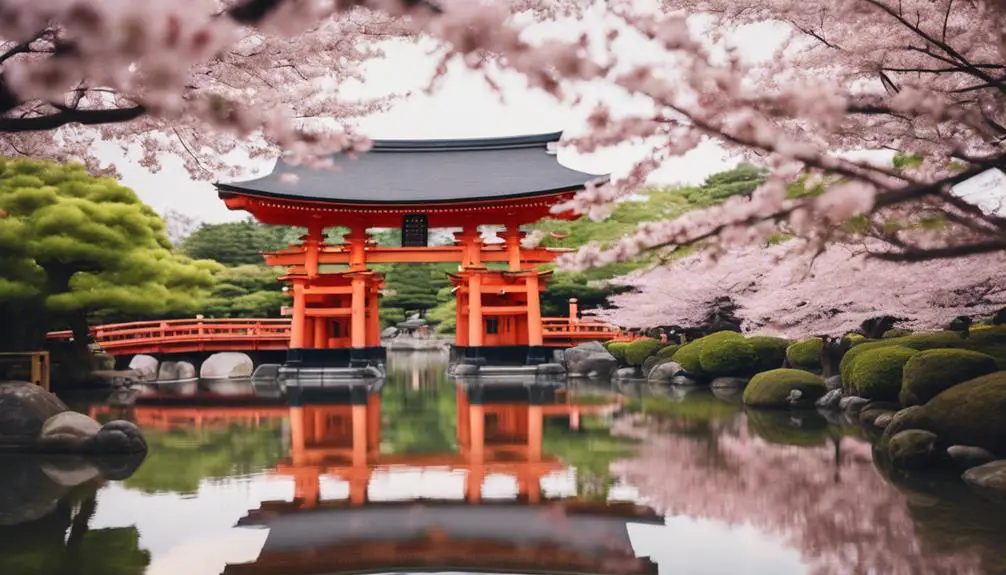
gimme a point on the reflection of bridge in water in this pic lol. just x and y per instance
(336, 435)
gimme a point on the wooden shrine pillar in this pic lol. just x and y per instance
(297, 323)
(512, 237)
(534, 328)
(574, 310)
(373, 318)
(309, 323)
(356, 241)
(312, 247)
(358, 319)
(321, 329)
(475, 323)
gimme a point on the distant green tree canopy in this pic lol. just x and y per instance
(414, 287)
(247, 291)
(73, 246)
(238, 243)
(648, 205)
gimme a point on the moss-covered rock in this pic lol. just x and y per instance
(771, 351)
(970, 413)
(913, 449)
(668, 351)
(854, 338)
(688, 356)
(618, 349)
(930, 372)
(726, 356)
(990, 341)
(876, 373)
(773, 388)
(896, 332)
(637, 351)
(805, 354)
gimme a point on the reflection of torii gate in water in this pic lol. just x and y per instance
(342, 441)
(499, 431)
(415, 185)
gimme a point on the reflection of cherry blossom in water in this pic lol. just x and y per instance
(842, 516)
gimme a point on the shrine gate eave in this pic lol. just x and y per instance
(288, 212)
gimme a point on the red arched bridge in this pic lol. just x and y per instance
(235, 334)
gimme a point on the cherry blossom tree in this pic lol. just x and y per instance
(830, 293)
(198, 76)
(913, 76)
(195, 78)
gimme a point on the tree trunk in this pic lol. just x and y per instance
(58, 281)
(832, 353)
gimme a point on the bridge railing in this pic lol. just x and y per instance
(110, 336)
(133, 334)
(578, 328)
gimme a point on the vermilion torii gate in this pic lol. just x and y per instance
(415, 185)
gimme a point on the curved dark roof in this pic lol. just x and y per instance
(426, 171)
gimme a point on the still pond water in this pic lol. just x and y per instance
(622, 480)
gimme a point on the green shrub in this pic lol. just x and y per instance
(772, 388)
(727, 356)
(896, 332)
(618, 349)
(805, 354)
(637, 351)
(771, 351)
(990, 341)
(930, 372)
(688, 355)
(668, 351)
(876, 373)
(854, 338)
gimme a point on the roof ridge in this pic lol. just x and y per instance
(466, 144)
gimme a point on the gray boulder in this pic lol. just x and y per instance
(118, 437)
(968, 456)
(883, 420)
(589, 359)
(25, 408)
(913, 449)
(648, 365)
(626, 373)
(145, 365)
(834, 382)
(829, 400)
(68, 432)
(682, 379)
(988, 480)
(227, 364)
(176, 370)
(852, 404)
(665, 372)
(550, 368)
(116, 378)
(34, 420)
(467, 369)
